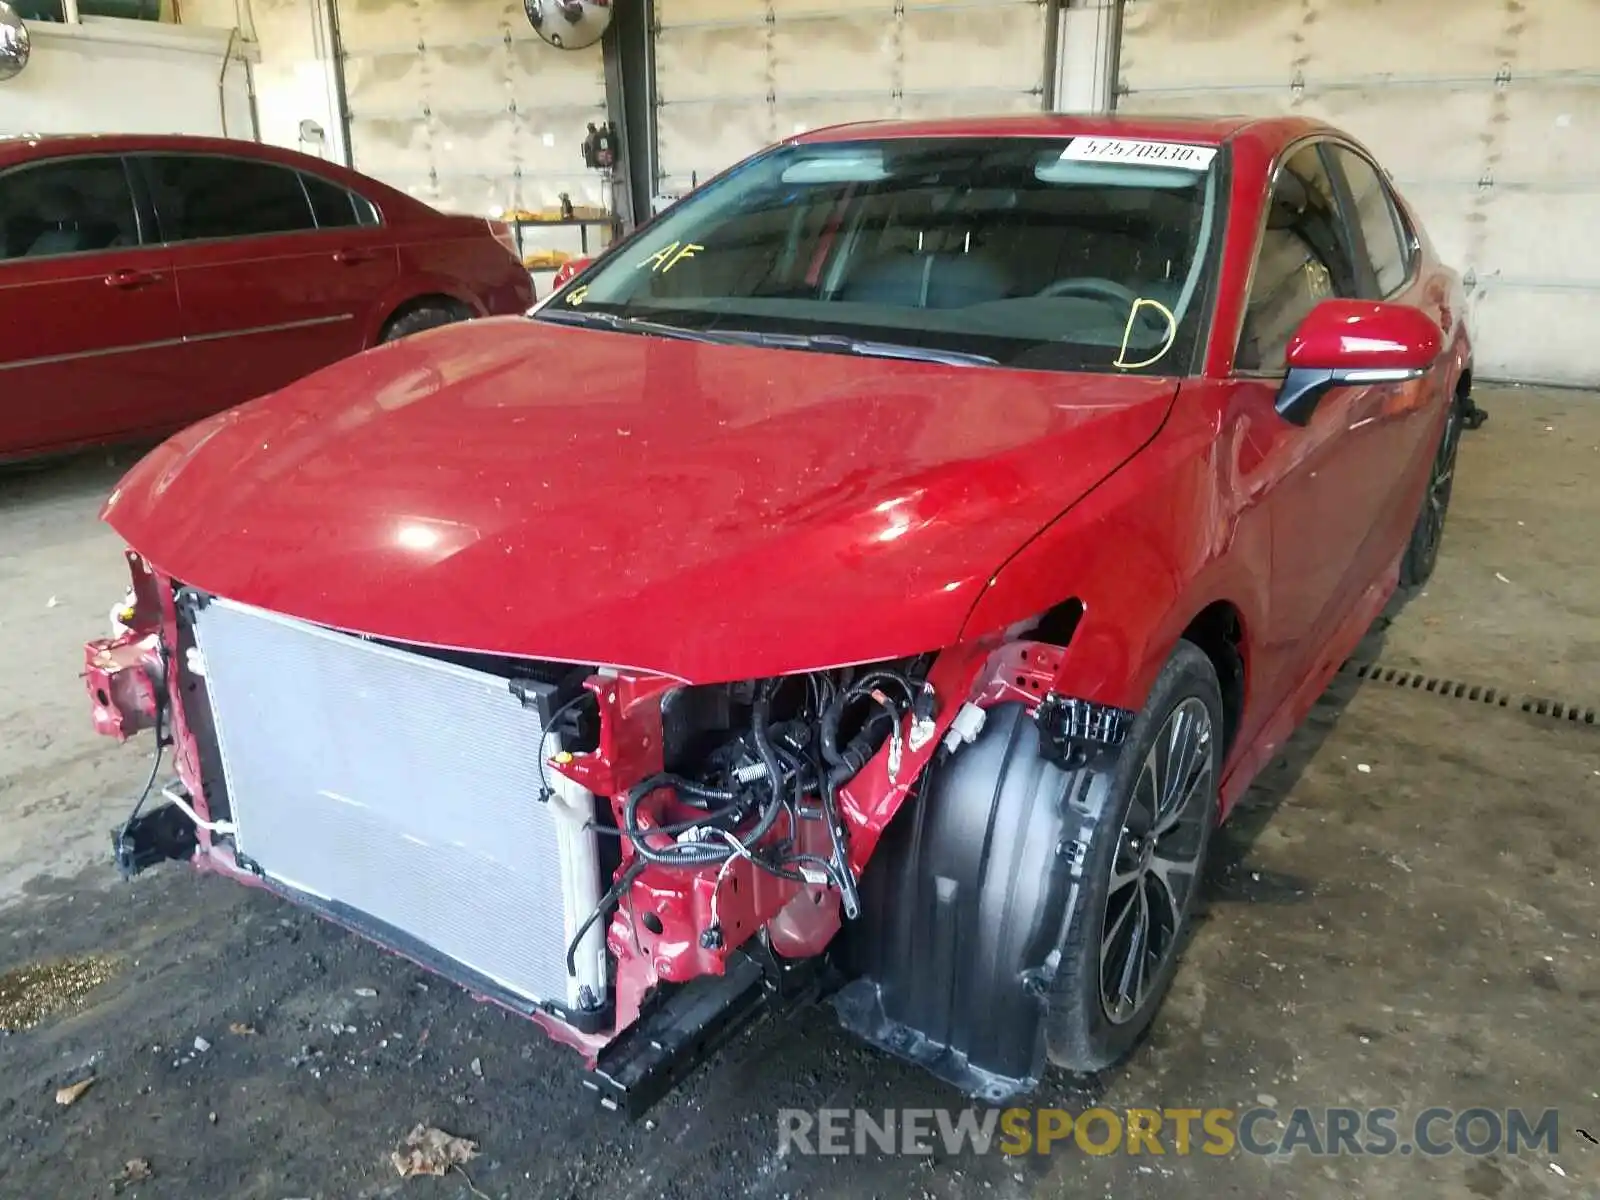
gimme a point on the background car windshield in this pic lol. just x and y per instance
(1015, 250)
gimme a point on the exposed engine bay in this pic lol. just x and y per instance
(634, 862)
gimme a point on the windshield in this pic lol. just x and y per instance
(1041, 253)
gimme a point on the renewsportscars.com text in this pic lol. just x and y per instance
(1217, 1132)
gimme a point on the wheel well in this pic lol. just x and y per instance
(432, 300)
(1219, 634)
(1057, 625)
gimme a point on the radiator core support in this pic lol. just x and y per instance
(387, 783)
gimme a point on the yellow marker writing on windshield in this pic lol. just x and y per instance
(578, 295)
(1127, 332)
(670, 256)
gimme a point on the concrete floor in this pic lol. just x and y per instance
(1404, 912)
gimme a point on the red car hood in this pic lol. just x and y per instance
(709, 512)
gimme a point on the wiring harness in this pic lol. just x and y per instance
(802, 740)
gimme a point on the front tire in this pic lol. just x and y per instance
(1146, 844)
(977, 955)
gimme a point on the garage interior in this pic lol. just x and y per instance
(1404, 909)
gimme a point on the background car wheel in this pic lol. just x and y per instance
(1146, 845)
(424, 316)
(1422, 553)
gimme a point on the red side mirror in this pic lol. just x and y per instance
(1365, 335)
(1354, 342)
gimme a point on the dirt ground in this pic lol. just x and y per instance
(1403, 912)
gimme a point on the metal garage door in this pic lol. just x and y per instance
(1486, 111)
(732, 76)
(463, 106)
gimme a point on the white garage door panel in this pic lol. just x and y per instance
(1226, 45)
(1553, 133)
(463, 106)
(1486, 111)
(740, 53)
(787, 66)
(1528, 333)
(996, 48)
(825, 56)
(935, 107)
(711, 135)
(1532, 235)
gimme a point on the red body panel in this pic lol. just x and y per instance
(712, 513)
(134, 342)
(859, 507)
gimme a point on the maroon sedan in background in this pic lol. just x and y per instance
(149, 281)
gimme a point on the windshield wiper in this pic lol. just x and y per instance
(832, 342)
(592, 318)
(840, 344)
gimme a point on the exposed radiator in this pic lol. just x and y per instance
(406, 789)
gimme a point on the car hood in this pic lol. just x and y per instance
(710, 512)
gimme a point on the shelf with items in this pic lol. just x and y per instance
(582, 218)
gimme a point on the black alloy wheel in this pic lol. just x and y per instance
(1422, 553)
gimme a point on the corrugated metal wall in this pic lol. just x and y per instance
(1486, 111)
(732, 76)
(463, 106)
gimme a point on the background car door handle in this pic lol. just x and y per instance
(131, 279)
(351, 257)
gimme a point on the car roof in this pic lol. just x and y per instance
(1197, 130)
(20, 148)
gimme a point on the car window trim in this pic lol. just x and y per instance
(355, 198)
(1315, 140)
(1408, 237)
(133, 202)
(1350, 218)
(143, 157)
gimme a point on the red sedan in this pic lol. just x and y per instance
(146, 282)
(899, 556)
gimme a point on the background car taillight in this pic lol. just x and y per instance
(567, 271)
(502, 234)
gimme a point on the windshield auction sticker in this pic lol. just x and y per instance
(1128, 150)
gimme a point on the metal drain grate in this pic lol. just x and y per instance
(1453, 689)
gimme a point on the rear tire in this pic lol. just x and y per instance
(1427, 535)
(1145, 853)
(425, 316)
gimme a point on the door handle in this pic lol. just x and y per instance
(351, 257)
(128, 279)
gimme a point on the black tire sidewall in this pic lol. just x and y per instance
(1079, 1035)
(1416, 567)
(431, 316)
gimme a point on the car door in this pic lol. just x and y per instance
(1321, 484)
(1409, 418)
(275, 279)
(91, 345)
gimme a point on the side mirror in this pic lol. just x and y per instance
(569, 269)
(1354, 342)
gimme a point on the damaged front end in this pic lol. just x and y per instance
(635, 862)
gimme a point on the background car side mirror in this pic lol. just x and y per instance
(568, 269)
(1351, 342)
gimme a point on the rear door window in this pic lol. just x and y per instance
(212, 196)
(336, 207)
(66, 206)
(1388, 244)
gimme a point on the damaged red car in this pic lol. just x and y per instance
(874, 579)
